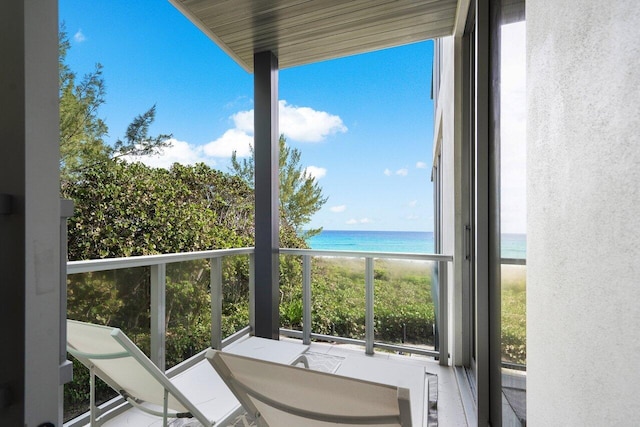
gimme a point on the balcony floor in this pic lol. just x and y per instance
(446, 404)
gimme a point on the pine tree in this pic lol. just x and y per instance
(300, 194)
(82, 132)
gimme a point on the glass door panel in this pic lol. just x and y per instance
(513, 221)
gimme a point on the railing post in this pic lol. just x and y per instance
(306, 299)
(216, 302)
(252, 293)
(443, 334)
(158, 314)
(368, 315)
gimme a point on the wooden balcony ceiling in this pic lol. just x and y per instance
(306, 31)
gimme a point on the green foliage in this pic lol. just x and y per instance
(131, 209)
(126, 209)
(403, 305)
(137, 141)
(514, 315)
(81, 130)
(300, 194)
(404, 310)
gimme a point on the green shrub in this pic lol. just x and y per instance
(514, 315)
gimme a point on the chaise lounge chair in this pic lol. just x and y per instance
(279, 395)
(113, 357)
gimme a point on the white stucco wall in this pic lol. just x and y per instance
(583, 230)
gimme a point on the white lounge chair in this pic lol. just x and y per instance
(113, 357)
(280, 395)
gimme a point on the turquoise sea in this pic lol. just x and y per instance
(513, 245)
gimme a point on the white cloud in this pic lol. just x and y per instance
(179, 152)
(353, 221)
(243, 121)
(299, 123)
(339, 208)
(399, 172)
(79, 37)
(413, 203)
(413, 217)
(315, 172)
(421, 165)
(303, 124)
(232, 140)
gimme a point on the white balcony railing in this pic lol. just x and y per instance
(158, 267)
(158, 263)
(441, 262)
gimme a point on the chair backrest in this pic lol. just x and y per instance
(282, 395)
(123, 366)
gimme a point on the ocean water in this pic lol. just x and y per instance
(374, 241)
(513, 245)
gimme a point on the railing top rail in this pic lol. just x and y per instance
(513, 261)
(74, 267)
(363, 254)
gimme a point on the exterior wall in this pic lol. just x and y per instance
(583, 272)
(30, 234)
(43, 393)
(12, 226)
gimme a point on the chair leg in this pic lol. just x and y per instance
(261, 421)
(92, 396)
(301, 359)
(165, 407)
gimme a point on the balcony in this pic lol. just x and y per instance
(331, 349)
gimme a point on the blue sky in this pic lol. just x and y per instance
(364, 123)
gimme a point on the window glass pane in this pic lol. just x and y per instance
(513, 221)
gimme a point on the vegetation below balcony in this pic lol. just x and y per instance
(514, 314)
